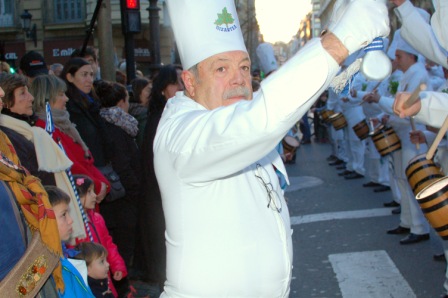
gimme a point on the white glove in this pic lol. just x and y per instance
(357, 22)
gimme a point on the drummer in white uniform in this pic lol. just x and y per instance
(228, 232)
(432, 42)
(412, 220)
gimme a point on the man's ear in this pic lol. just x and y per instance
(189, 82)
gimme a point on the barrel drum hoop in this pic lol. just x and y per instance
(425, 166)
(385, 150)
(435, 207)
(441, 228)
(429, 178)
(433, 196)
(383, 134)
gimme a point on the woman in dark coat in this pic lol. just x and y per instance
(84, 106)
(121, 128)
(138, 104)
(152, 220)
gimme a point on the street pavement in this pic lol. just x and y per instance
(341, 248)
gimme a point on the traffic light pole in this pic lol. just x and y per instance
(130, 59)
(92, 24)
(154, 37)
(131, 23)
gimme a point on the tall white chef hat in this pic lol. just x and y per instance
(203, 28)
(393, 45)
(265, 53)
(405, 47)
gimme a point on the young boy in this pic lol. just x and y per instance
(95, 256)
(75, 287)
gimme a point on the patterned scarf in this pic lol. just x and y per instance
(61, 120)
(33, 200)
(120, 118)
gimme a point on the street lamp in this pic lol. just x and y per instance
(31, 32)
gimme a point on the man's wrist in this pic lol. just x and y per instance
(334, 47)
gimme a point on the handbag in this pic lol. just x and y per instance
(31, 271)
(117, 190)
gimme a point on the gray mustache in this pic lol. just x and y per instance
(239, 91)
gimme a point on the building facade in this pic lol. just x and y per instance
(61, 27)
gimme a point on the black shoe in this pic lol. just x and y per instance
(414, 238)
(345, 173)
(382, 188)
(332, 158)
(341, 167)
(353, 175)
(371, 184)
(396, 210)
(304, 142)
(391, 204)
(336, 163)
(398, 230)
(439, 258)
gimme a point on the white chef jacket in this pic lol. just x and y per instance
(222, 239)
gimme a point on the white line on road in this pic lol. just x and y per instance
(369, 274)
(296, 220)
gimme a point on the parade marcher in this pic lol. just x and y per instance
(353, 114)
(227, 223)
(339, 150)
(431, 42)
(377, 168)
(414, 74)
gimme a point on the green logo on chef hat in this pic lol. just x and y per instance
(225, 18)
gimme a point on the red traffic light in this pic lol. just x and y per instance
(132, 4)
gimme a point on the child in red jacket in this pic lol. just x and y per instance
(98, 229)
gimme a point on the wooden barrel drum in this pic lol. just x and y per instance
(338, 121)
(290, 144)
(386, 140)
(421, 172)
(362, 129)
(433, 200)
(325, 115)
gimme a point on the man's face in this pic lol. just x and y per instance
(223, 79)
(404, 60)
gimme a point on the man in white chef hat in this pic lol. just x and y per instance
(227, 223)
(266, 57)
(432, 42)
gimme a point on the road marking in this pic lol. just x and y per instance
(301, 182)
(297, 220)
(369, 274)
